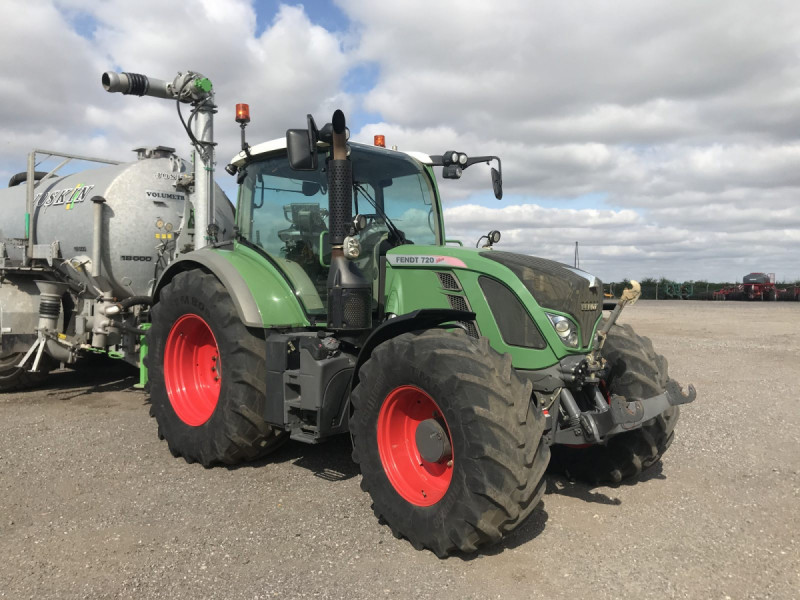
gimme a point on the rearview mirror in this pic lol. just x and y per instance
(497, 184)
(301, 145)
(301, 155)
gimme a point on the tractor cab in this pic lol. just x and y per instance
(285, 213)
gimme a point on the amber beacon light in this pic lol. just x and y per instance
(380, 140)
(242, 113)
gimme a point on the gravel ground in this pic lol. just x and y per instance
(93, 505)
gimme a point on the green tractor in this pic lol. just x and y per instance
(339, 308)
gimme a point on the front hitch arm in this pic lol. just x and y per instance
(627, 414)
(622, 415)
(629, 296)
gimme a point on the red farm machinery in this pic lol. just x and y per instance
(758, 286)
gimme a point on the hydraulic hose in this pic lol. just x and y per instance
(136, 301)
(23, 177)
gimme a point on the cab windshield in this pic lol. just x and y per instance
(285, 213)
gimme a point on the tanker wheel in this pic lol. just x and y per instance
(636, 371)
(449, 444)
(14, 378)
(207, 375)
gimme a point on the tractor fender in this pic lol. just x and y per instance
(424, 318)
(283, 310)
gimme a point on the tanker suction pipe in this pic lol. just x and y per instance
(136, 85)
(191, 88)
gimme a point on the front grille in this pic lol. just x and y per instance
(350, 308)
(449, 281)
(557, 286)
(472, 331)
(357, 308)
(460, 303)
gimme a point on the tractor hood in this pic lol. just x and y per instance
(557, 286)
(554, 286)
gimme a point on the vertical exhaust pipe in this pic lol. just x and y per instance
(349, 292)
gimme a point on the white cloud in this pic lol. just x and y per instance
(684, 111)
(677, 119)
(531, 216)
(51, 94)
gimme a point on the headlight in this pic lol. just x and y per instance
(565, 329)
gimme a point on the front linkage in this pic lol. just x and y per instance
(610, 413)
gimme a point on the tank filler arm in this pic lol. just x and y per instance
(186, 87)
(136, 85)
(192, 88)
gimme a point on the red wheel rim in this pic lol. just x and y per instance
(418, 481)
(192, 370)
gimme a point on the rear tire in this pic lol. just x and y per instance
(636, 372)
(494, 478)
(14, 378)
(207, 375)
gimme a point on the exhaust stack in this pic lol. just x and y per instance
(349, 292)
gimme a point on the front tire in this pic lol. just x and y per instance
(636, 372)
(481, 475)
(207, 375)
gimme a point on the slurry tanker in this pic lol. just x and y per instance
(338, 305)
(80, 253)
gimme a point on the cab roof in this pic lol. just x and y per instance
(279, 144)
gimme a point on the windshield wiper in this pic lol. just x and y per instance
(396, 233)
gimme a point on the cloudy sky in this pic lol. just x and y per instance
(663, 136)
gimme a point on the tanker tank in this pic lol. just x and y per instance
(99, 238)
(142, 219)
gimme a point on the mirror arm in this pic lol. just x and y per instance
(437, 160)
(484, 159)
